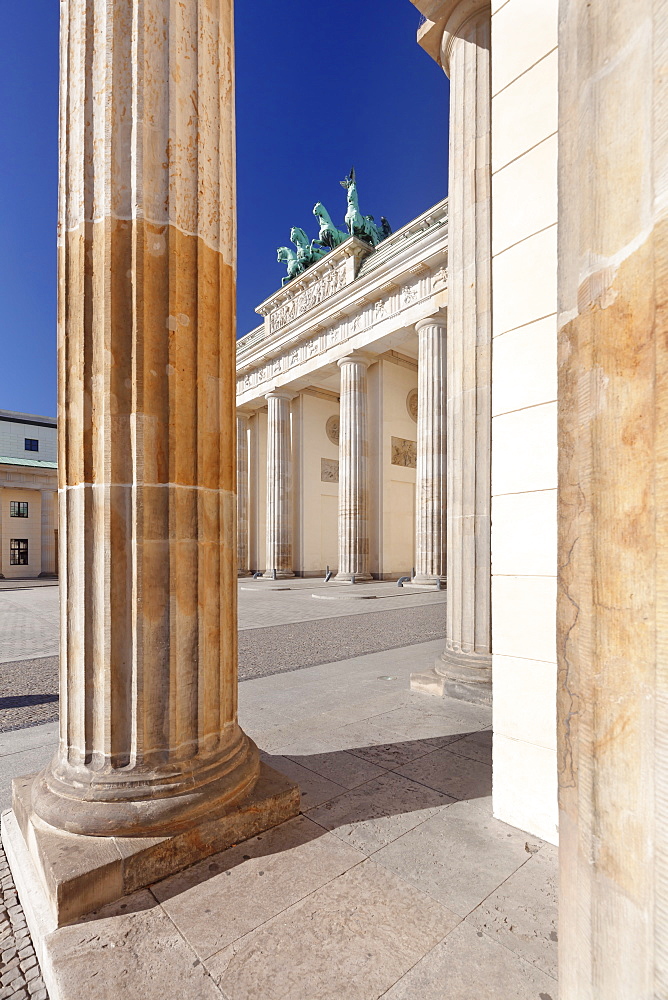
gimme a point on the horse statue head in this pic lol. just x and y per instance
(299, 237)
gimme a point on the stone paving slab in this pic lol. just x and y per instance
(387, 886)
(29, 622)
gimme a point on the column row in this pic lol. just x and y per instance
(354, 466)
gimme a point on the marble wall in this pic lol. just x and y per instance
(524, 412)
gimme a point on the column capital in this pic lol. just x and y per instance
(359, 359)
(280, 394)
(444, 21)
(439, 318)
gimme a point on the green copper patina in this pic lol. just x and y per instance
(307, 253)
(329, 237)
(362, 226)
(294, 266)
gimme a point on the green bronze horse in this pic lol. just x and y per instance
(329, 235)
(307, 254)
(295, 267)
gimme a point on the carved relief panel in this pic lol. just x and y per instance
(404, 453)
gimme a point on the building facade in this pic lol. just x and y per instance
(28, 496)
(328, 412)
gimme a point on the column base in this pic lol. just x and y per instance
(243, 573)
(433, 582)
(464, 676)
(78, 874)
(281, 574)
(354, 577)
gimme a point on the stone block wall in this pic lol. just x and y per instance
(524, 412)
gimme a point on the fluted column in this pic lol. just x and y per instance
(465, 51)
(279, 486)
(457, 34)
(149, 740)
(243, 567)
(49, 498)
(430, 480)
(353, 471)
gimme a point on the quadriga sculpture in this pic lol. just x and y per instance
(329, 237)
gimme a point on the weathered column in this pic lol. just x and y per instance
(612, 617)
(457, 34)
(48, 532)
(353, 471)
(279, 486)
(430, 479)
(243, 567)
(149, 741)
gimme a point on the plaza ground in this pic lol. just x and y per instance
(395, 881)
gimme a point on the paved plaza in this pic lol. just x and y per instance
(394, 881)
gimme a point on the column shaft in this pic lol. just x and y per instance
(353, 472)
(243, 563)
(148, 735)
(612, 610)
(279, 486)
(466, 664)
(430, 480)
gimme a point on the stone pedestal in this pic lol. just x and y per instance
(465, 669)
(243, 563)
(149, 746)
(353, 471)
(279, 486)
(430, 479)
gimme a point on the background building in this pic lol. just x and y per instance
(28, 496)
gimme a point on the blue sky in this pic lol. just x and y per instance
(320, 87)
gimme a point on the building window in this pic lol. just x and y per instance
(18, 552)
(18, 508)
(32, 444)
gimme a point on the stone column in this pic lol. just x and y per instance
(279, 486)
(612, 614)
(430, 479)
(353, 471)
(49, 498)
(243, 566)
(463, 30)
(149, 746)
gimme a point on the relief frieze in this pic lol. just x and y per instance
(311, 296)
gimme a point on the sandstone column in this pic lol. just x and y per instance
(353, 471)
(49, 498)
(457, 34)
(612, 617)
(149, 740)
(430, 480)
(279, 486)
(243, 568)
